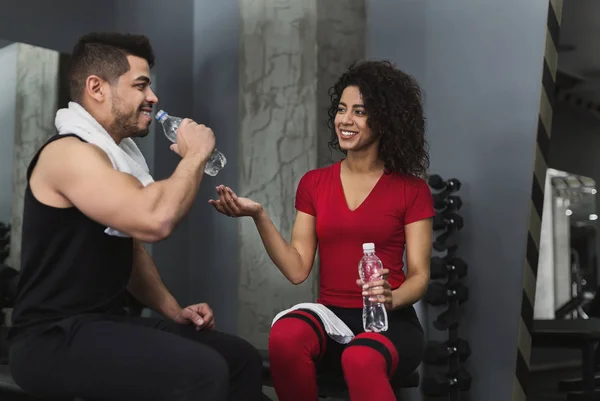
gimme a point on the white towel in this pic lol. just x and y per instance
(125, 157)
(334, 326)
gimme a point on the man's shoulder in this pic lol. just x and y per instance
(66, 159)
(69, 147)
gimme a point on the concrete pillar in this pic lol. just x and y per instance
(291, 52)
(37, 87)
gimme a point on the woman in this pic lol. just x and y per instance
(373, 195)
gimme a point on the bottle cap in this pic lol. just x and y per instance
(161, 115)
(368, 246)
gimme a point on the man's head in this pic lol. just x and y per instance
(109, 75)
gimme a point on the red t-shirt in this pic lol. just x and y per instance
(396, 200)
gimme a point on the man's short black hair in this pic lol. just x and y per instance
(104, 55)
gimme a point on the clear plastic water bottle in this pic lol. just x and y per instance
(170, 124)
(374, 313)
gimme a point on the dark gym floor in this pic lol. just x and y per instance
(543, 385)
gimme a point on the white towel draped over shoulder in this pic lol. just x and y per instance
(334, 326)
(125, 157)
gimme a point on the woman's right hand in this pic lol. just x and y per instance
(230, 205)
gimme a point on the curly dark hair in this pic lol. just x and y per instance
(393, 102)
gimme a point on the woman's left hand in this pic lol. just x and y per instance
(378, 290)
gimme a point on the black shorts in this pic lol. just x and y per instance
(404, 332)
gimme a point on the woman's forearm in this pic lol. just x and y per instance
(411, 290)
(287, 259)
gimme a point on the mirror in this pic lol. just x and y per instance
(568, 247)
(567, 300)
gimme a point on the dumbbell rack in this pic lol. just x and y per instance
(445, 375)
(4, 241)
(5, 273)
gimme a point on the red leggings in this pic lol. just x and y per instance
(300, 349)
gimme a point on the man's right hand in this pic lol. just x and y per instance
(194, 139)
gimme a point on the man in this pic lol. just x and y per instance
(83, 226)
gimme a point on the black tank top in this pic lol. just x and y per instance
(69, 266)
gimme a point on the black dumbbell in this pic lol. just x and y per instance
(447, 319)
(443, 246)
(8, 282)
(4, 240)
(439, 384)
(447, 202)
(4, 229)
(440, 294)
(4, 253)
(438, 353)
(448, 222)
(437, 182)
(439, 244)
(443, 267)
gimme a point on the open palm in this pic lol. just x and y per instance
(231, 205)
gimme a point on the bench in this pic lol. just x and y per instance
(583, 334)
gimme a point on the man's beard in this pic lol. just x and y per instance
(126, 124)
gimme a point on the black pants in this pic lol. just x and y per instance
(137, 359)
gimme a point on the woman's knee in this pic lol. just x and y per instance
(359, 359)
(370, 352)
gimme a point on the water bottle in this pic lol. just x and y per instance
(170, 124)
(374, 313)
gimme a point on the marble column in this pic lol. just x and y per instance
(341, 42)
(291, 51)
(8, 83)
(36, 103)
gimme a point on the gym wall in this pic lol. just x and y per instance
(480, 65)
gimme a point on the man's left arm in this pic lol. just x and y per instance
(148, 288)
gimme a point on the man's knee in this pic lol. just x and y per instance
(206, 374)
(248, 356)
(218, 369)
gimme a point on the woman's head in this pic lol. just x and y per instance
(374, 104)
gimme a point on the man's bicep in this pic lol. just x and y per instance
(86, 178)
